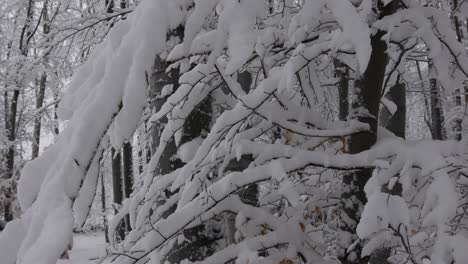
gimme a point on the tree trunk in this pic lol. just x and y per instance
(196, 244)
(458, 100)
(159, 79)
(40, 94)
(367, 92)
(117, 187)
(5, 174)
(104, 209)
(12, 133)
(127, 176)
(10, 162)
(395, 122)
(37, 121)
(437, 117)
(342, 73)
(427, 109)
(56, 119)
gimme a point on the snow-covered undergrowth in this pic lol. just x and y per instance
(297, 216)
(87, 249)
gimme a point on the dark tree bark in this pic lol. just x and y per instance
(368, 89)
(141, 147)
(37, 122)
(56, 119)
(127, 154)
(104, 209)
(427, 109)
(40, 94)
(158, 80)
(128, 169)
(396, 122)
(117, 188)
(437, 116)
(197, 244)
(458, 100)
(342, 73)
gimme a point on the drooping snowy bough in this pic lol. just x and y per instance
(416, 195)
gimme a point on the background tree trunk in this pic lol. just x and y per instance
(127, 154)
(458, 100)
(104, 209)
(37, 121)
(437, 116)
(117, 187)
(427, 108)
(40, 94)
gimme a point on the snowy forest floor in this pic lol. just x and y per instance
(87, 248)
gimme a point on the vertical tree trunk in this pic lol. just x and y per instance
(8, 208)
(40, 94)
(427, 109)
(395, 122)
(458, 100)
(117, 187)
(367, 92)
(159, 79)
(196, 244)
(104, 209)
(437, 117)
(12, 133)
(127, 176)
(56, 119)
(37, 121)
(5, 153)
(141, 147)
(342, 73)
